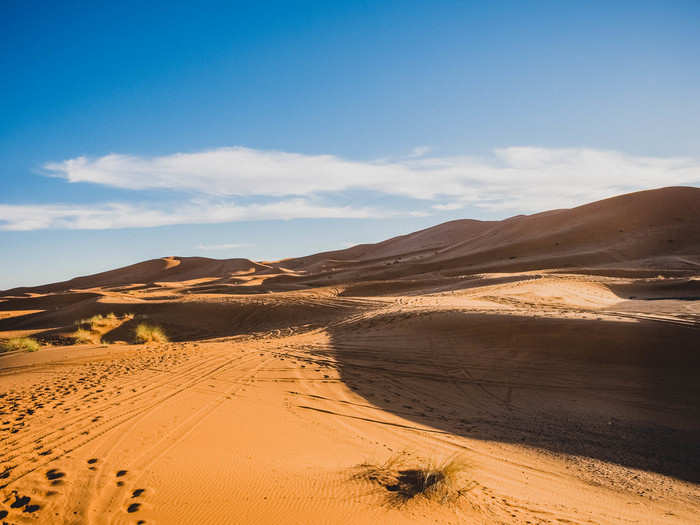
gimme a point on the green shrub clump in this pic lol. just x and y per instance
(146, 333)
(26, 344)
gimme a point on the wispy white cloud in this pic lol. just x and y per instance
(419, 151)
(449, 206)
(230, 246)
(121, 215)
(521, 179)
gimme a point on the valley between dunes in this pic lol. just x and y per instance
(556, 354)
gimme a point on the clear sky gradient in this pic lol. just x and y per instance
(278, 129)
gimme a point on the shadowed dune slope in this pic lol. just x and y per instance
(586, 388)
(181, 320)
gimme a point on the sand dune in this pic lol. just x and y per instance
(556, 354)
(167, 269)
(650, 229)
(644, 232)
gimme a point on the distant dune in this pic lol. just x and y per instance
(167, 269)
(646, 232)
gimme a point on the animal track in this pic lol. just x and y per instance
(54, 474)
(45, 434)
(20, 501)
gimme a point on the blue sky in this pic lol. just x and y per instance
(270, 130)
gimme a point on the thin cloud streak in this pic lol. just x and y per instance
(121, 215)
(231, 246)
(419, 151)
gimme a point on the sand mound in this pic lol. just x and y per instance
(168, 269)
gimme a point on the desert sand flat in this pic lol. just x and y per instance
(564, 379)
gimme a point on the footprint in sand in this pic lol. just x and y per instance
(20, 501)
(54, 474)
(121, 473)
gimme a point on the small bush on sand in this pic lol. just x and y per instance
(93, 329)
(97, 321)
(94, 321)
(146, 333)
(26, 344)
(82, 336)
(404, 480)
(88, 322)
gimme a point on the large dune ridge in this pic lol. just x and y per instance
(555, 354)
(643, 231)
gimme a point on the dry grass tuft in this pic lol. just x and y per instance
(26, 344)
(91, 329)
(146, 333)
(82, 336)
(102, 320)
(96, 321)
(405, 480)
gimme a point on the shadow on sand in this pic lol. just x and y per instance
(622, 392)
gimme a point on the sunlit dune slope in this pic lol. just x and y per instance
(655, 229)
(167, 269)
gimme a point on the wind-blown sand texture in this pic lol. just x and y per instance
(556, 353)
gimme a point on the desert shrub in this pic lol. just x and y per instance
(26, 344)
(81, 336)
(92, 329)
(405, 480)
(146, 333)
(96, 320)
(86, 323)
(100, 321)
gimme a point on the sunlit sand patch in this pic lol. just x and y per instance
(17, 313)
